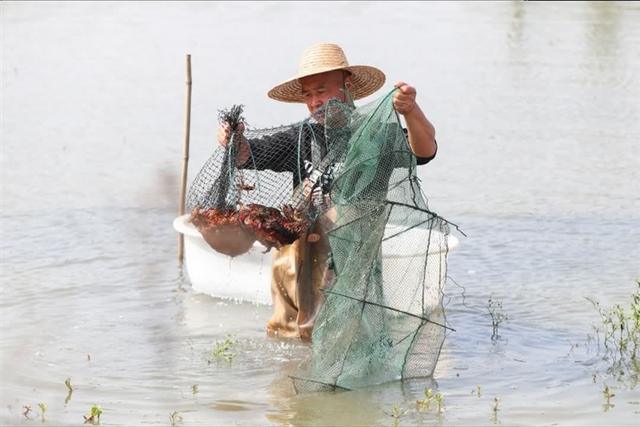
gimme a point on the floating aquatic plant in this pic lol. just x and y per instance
(429, 397)
(222, 349)
(43, 409)
(94, 415)
(426, 402)
(396, 413)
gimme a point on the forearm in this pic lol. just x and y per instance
(243, 153)
(421, 133)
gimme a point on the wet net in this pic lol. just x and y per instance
(342, 184)
(244, 192)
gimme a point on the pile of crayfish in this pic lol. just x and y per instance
(233, 232)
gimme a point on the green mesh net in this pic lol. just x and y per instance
(344, 183)
(383, 317)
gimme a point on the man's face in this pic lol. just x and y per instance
(319, 88)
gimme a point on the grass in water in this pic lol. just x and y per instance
(429, 397)
(396, 413)
(175, 418)
(222, 350)
(94, 415)
(498, 316)
(439, 398)
(43, 409)
(67, 382)
(426, 402)
(619, 335)
(495, 408)
(606, 392)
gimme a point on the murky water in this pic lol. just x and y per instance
(536, 108)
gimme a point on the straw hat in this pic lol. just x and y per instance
(325, 57)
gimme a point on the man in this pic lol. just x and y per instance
(299, 270)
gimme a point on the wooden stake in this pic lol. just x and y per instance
(185, 155)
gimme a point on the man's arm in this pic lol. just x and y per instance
(224, 135)
(421, 133)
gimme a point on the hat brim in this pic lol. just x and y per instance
(366, 80)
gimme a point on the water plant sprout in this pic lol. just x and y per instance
(94, 415)
(497, 316)
(67, 382)
(396, 413)
(426, 402)
(175, 418)
(619, 334)
(222, 349)
(43, 409)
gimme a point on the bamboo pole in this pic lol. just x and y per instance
(185, 155)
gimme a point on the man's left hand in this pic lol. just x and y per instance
(404, 100)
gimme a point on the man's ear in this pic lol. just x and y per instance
(348, 83)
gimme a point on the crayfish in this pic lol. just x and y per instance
(233, 232)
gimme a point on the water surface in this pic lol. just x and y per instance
(536, 111)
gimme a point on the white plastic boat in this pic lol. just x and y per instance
(248, 277)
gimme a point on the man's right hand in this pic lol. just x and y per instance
(224, 136)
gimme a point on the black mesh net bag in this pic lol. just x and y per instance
(268, 185)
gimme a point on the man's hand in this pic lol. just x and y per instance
(421, 132)
(224, 133)
(224, 136)
(404, 100)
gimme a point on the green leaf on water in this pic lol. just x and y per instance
(43, 409)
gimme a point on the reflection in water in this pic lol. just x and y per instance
(368, 406)
(516, 29)
(232, 405)
(602, 32)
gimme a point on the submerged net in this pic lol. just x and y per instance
(345, 183)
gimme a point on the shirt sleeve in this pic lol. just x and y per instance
(425, 160)
(422, 160)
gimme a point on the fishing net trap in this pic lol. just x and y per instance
(343, 185)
